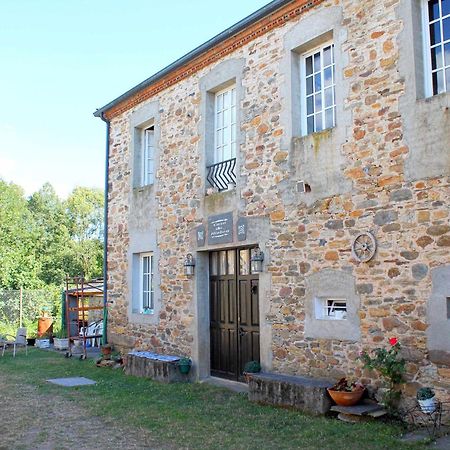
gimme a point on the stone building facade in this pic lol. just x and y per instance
(380, 164)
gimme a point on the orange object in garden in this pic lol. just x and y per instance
(45, 326)
(346, 398)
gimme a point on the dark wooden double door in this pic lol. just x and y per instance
(234, 312)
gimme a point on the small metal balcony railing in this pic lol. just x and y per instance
(222, 175)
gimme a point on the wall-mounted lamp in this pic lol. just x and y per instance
(189, 265)
(256, 260)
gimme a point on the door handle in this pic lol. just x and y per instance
(241, 332)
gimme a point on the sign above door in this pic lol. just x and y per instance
(220, 229)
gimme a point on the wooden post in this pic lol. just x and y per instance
(21, 307)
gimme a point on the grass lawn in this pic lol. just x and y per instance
(195, 416)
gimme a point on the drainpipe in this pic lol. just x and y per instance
(105, 237)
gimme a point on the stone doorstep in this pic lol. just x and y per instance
(303, 393)
(235, 386)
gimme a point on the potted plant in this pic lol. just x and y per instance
(391, 366)
(184, 365)
(251, 367)
(106, 350)
(60, 341)
(43, 341)
(31, 341)
(426, 399)
(346, 392)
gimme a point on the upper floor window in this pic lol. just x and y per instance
(437, 43)
(318, 89)
(225, 125)
(148, 154)
(147, 289)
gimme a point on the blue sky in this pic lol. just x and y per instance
(62, 59)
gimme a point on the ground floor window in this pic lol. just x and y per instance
(146, 284)
(331, 308)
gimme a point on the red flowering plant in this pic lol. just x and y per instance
(390, 365)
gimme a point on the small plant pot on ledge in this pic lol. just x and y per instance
(184, 365)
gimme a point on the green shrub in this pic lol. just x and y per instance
(252, 367)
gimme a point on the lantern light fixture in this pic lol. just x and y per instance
(189, 265)
(256, 261)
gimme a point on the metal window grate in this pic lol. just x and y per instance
(335, 309)
(222, 175)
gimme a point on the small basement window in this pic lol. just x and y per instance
(448, 307)
(331, 309)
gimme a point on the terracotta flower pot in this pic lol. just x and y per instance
(342, 398)
(106, 351)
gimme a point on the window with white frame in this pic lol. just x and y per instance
(331, 308)
(147, 292)
(318, 89)
(148, 154)
(437, 45)
(225, 125)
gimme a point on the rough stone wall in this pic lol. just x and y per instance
(410, 219)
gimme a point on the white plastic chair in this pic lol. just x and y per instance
(19, 340)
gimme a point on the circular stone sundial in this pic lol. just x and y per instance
(364, 247)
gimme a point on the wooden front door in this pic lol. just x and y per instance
(234, 312)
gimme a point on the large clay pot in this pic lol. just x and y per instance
(45, 326)
(342, 398)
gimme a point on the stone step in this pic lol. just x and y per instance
(365, 408)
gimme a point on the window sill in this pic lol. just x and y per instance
(143, 319)
(214, 191)
(146, 188)
(434, 98)
(323, 133)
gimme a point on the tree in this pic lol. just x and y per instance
(18, 236)
(85, 213)
(53, 242)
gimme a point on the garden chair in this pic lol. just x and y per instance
(19, 340)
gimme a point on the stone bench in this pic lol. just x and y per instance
(158, 367)
(303, 393)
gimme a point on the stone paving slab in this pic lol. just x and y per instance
(363, 409)
(72, 381)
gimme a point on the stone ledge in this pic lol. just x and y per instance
(163, 371)
(303, 393)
